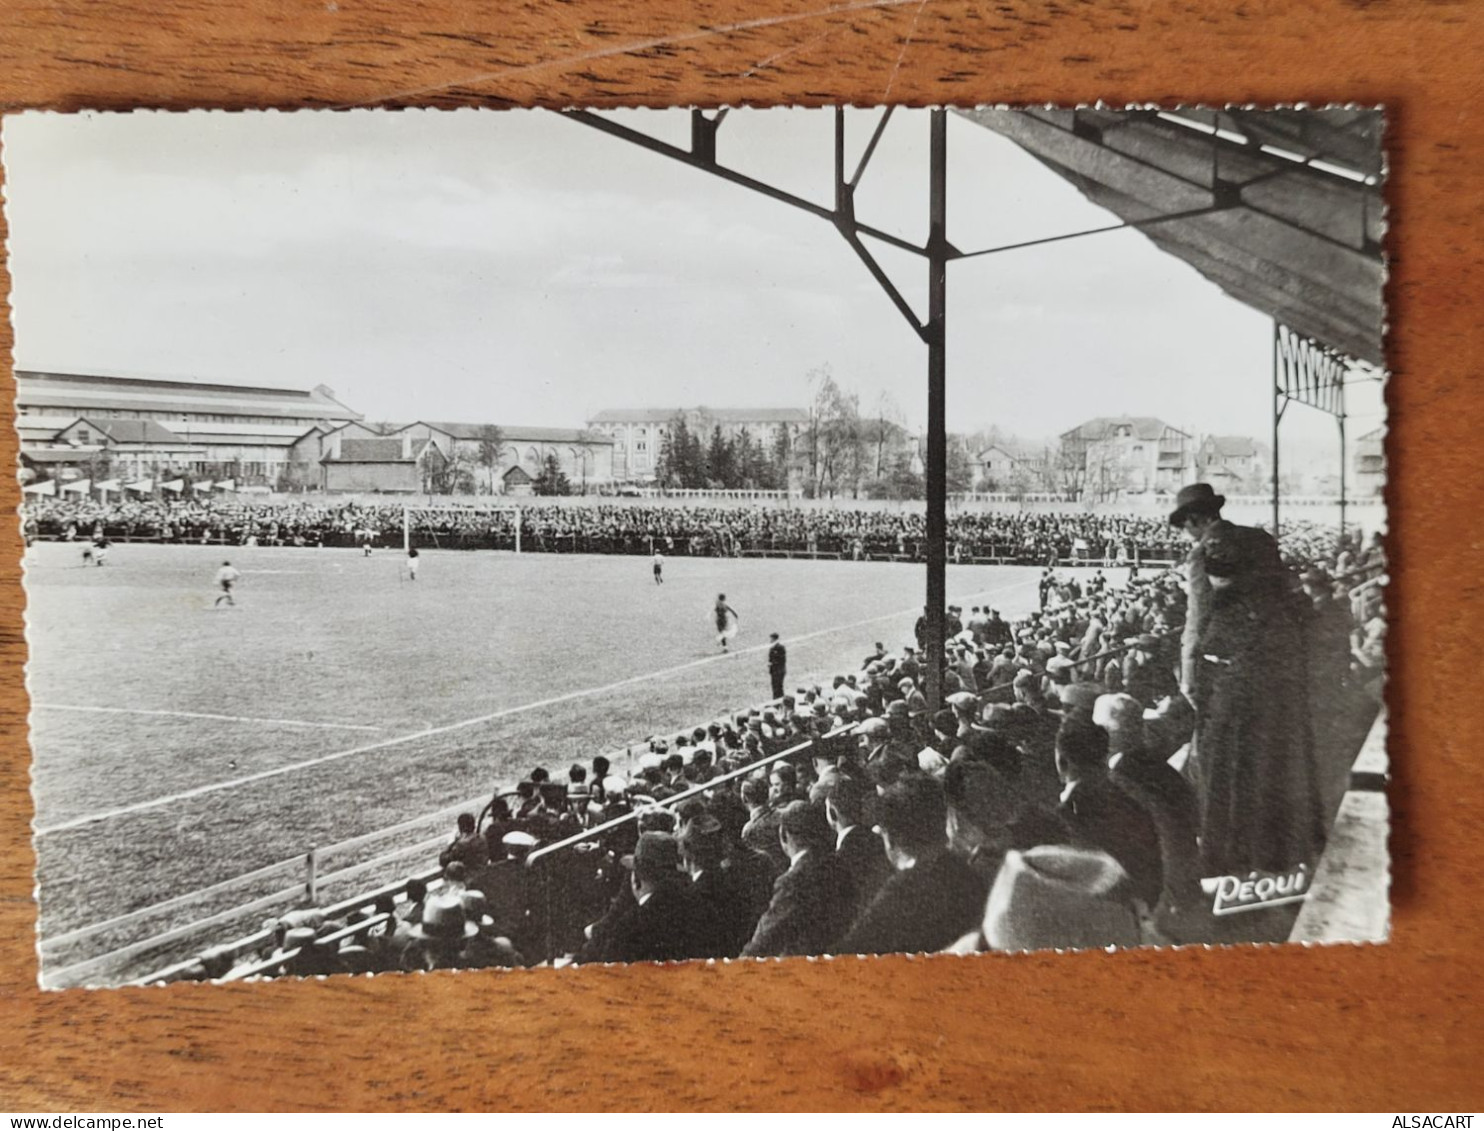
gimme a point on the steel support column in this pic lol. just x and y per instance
(1278, 406)
(937, 435)
(1340, 419)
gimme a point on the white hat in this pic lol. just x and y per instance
(1058, 897)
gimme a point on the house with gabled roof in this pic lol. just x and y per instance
(1232, 464)
(585, 457)
(401, 464)
(1134, 455)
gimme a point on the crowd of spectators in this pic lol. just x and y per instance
(1042, 806)
(842, 532)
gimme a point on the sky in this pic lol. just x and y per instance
(516, 267)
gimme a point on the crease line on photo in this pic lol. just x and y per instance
(200, 715)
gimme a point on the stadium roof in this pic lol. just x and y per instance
(82, 391)
(720, 415)
(1282, 209)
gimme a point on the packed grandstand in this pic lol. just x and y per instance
(1042, 806)
(846, 533)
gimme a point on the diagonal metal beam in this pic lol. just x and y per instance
(871, 146)
(881, 277)
(709, 165)
(1149, 222)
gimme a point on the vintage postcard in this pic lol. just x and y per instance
(510, 539)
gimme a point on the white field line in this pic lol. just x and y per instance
(196, 715)
(449, 728)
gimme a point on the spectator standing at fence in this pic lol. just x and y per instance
(777, 664)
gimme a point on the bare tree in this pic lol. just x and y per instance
(888, 417)
(836, 453)
(491, 451)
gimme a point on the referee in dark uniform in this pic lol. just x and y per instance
(777, 664)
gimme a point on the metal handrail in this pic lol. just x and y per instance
(289, 955)
(431, 877)
(695, 791)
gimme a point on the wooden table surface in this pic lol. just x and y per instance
(1393, 1027)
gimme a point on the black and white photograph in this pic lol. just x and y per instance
(505, 539)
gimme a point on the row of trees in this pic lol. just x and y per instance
(841, 451)
(739, 462)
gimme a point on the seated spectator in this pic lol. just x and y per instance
(813, 901)
(700, 770)
(309, 957)
(468, 847)
(1168, 727)
(438, 941)
(914, 699)
(727, 905)
(661, 925)
(754, 872)
(1059, 897)
(1102, 816)
(988, 816)
(1146, 675)
(933, 897)
(501, 822)
(859, 850)
(417, 893)
(455, 877)
(486, 948)
(1167, 797)
(761, 831)
(783, 785)
(601, 766)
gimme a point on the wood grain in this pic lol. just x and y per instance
(1390, 1027)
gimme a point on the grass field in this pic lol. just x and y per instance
(178, 746)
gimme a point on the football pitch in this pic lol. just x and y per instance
(178, 745)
